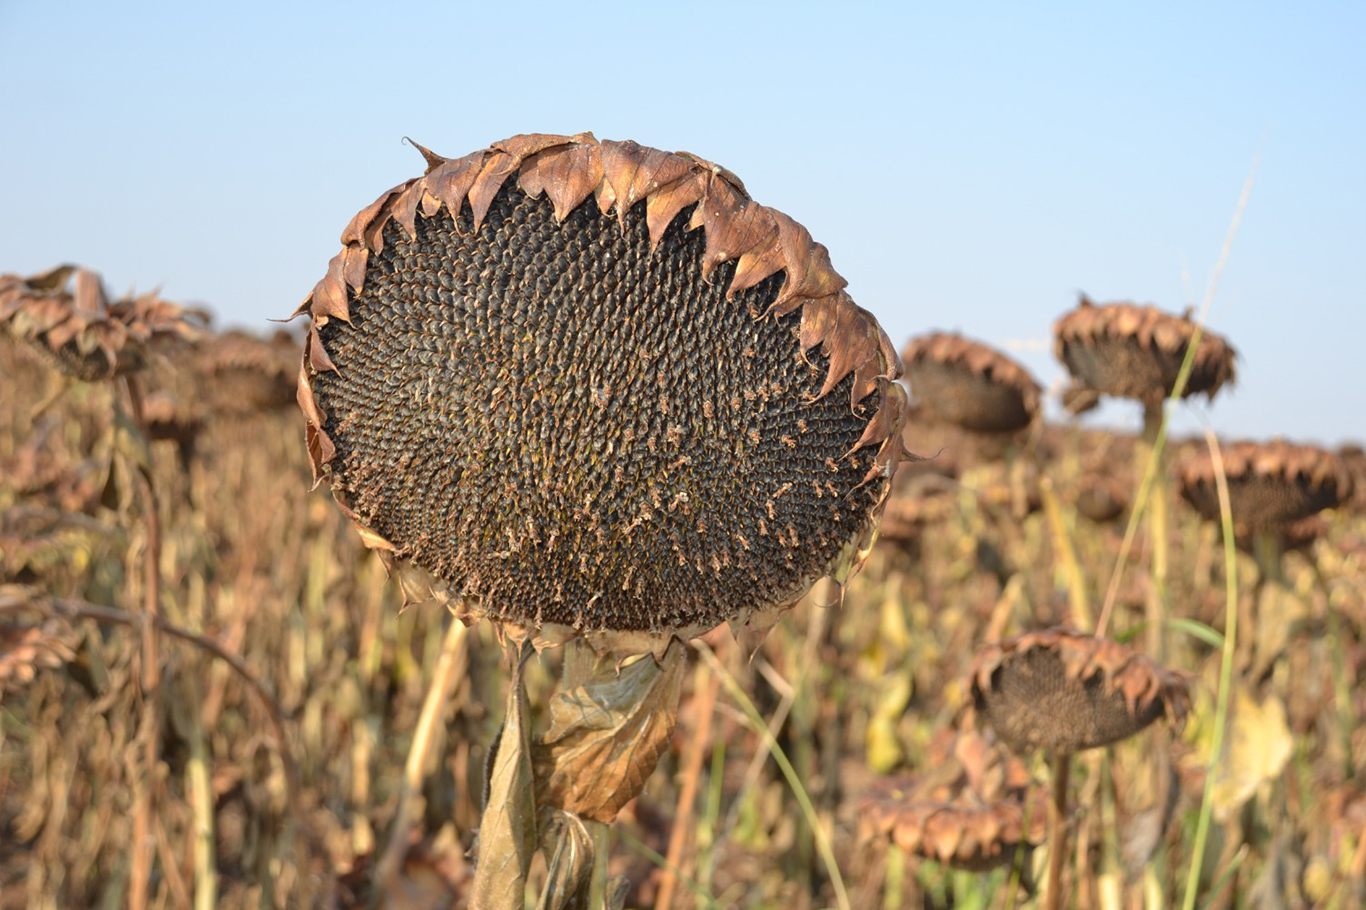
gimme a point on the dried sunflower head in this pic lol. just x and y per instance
(244, 374)
(66, 314)
(1270, 484)
(974, 809)
(591, 387)
(1101, 497)
(1353, 458)
(966, 383)
(1132, 351)
(1064, 691)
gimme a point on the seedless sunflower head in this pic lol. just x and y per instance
(588, 387)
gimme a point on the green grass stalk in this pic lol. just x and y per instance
(1225, 674)
(756, 723)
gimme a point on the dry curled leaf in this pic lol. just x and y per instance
(27, 649)
(507, 837)
(606, 735)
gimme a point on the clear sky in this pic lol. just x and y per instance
(970, 166)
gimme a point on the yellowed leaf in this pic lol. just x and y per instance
(1259, 745)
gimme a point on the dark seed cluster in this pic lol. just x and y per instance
(575, 429)
(1034, 704)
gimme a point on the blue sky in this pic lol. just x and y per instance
(970, 167)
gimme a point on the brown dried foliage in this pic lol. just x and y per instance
(1133, 351)
(1064, 691)
(966, 383)
(756, 243)
(25, 649)
(66, 314)
(1270, 484)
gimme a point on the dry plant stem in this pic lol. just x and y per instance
(425, 740)
(1272, 592)
(149, 727)
(687, 796)
(198, 783)
(1154, 433)
(1197, 853)
(597, 886)
(1067, 551)
(1057, 835)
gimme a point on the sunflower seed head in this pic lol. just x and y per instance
(591, 386)
(66, 314)
(1064, 691)
(1132, 351)
(966, 383)
(1270, 484)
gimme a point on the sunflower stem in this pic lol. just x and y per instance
(1057, 823)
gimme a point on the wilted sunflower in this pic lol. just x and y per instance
(975, 806)
(966, 383)
(1270, 484)
(66, 314)
(1064, 691)
(1132, 351)
(591, 387)
(592, 391)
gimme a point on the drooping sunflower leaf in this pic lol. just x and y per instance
(606, 735)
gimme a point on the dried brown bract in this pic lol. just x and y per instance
(66, 314)
(1133, 351)
(1270, 484)
(591, 387)
(1078, 399)
(1064, 691)
(966, 383)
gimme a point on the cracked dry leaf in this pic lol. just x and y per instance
(507, 836)
(1259, 746)
(607, 734)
